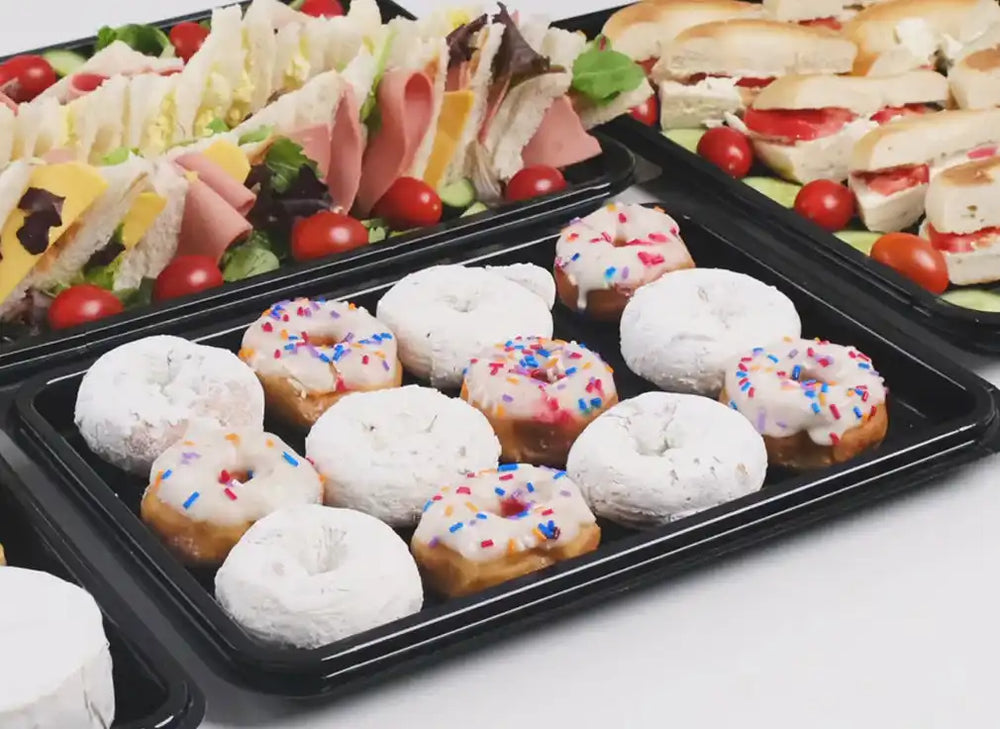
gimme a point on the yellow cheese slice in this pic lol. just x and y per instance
(79, 185)
(140, 218)
(455, 110)
(230, 158)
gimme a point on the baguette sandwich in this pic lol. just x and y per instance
(975, 79)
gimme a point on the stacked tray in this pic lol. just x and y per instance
(940, 416)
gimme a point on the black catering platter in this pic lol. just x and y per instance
(590, 182)
(940, 416)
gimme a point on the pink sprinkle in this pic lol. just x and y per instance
(464, 489)
(277, 354)
(835, 411)
(267, 326)
(746, 359)
(507, 477)
(851, 353)
(750, 392)
(364, 359)
(230, 494)
(547, 512)
(658, 237)
(834, 438)
(486, 543)
(622, 218)
(607, 236)
(437, 497)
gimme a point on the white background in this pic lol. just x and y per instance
(886, 619)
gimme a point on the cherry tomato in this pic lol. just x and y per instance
(186, 275)
(85, 82)
(22, 78)
(322, 8)
(728, 150)
(187, 38)
(827, 203)
(409, 203)
(82, 304)
(915, 258)
(326, 233)
(647, 112)
(534, 182)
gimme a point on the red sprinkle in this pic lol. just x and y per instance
(224, 476)
(835, 411)
(364, 359)
(834, 438)
(267, 326)
(486, 543)
(464, 489)
(622, 218)
(277, 354)
(230, 494)
(507, 477)
(750, 392)
(436, 497)
(547, 512)
(874, 408)
(658, 237)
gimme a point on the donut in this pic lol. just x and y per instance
(138, 399)
(538, 394)
(444, 315)
(534, 278)
(501, 524)
(662, 456)
(309, 575)
(308, 354)
(815, 403)
(682, 331)
(385, 452)
(206, 490)
(602, 259)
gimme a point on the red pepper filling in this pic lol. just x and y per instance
(889, 182)
(962, 243)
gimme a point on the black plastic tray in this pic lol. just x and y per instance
(589, 183)
(966, 328)
(940, 415)
(151, 691)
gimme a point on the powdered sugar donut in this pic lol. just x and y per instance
(602, 259)
(310, 575)
(534, 278)
(140, 398)
(443, 315)
(386, 452)
(308, 354)
(682, 331)
(206, 490)
(661, 456)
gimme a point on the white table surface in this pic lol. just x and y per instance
(889, 618)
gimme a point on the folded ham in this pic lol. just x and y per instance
(347, 148)
(561, 139)
(210, 223)
(234, 193)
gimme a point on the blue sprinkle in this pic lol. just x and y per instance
(530, 487)
(796, 372)
(543, 352)
(456, 526)
(284, 454)
(772, 358)
(428, 504)
(745, 386)
(480, 515)
(810, 393)
(507, 467)
(191, 499)
(610, 272)
(574, 257)
(571, 371)
(815, 407)
(595, 403)
(499, 491)
(826, 387)
(857, 412)
(167, 474)
(290, 347)
(582, 404)
(386, 336)
(559, 474)
(758, 350)
(292, 337)
(864, 365)
(732, 404)
(249, 475)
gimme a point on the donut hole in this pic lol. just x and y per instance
(226, 477)
(460, 304)
(512, 506)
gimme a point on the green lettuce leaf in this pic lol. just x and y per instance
(247, 261)
(285, 159)
(380, 67)
(378, 229)
(217, 126)
(117, 156)
(142, 295)
(146, 39)
(104, 276)
(257, 135)
(602, 74)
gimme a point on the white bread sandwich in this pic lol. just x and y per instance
(975, 79)
(804, 127)
(891, 166)
(717, 68)
(825, 13)
(116, 59)
(963, 220)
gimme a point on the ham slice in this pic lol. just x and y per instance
(234, 193)
(406, 106)
(210, 224)
(315, 143)
(347, 149)
(561, 139)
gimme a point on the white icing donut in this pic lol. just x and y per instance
(661, 456)
(232, 477)
(140, 398)
(310, 575)
(321, 346)
(621, 246)
(444, 315)
(502, 512)
(56, 667)
(682, 331)
(534, 278)
(801, 385)
(385, 452)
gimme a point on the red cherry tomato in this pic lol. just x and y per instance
(827, 203)
(915, 258)
(728, 150)
(85, 82)
(534, 182)
(187, 38)
(22, 78)
(82, 304)
(322, 8)
(326, 233)
(647, 112)
(186, 275)
(409, 203)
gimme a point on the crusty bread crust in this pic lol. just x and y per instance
(863, 95)
(963, 199)
(975, 79)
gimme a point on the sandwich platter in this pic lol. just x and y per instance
(158, 172)
(867, 136)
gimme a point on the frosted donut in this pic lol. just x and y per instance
(56, 666)
(386, 452)
(602, 259)
(307, 576)
(499, 525)
(206, 490)
(815, 403)
(539, 395)
(661, 456)
(444, 315)
(309, 354)
(138, 399)
(682, 331)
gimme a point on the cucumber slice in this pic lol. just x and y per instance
(474, 209)
(687, 138)
(781, 191)
(459, 194)
(64, 63)
(978, 299)
(861, 240)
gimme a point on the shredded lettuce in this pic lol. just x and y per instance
(146, 39)
(285, 159)
(257, 135)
